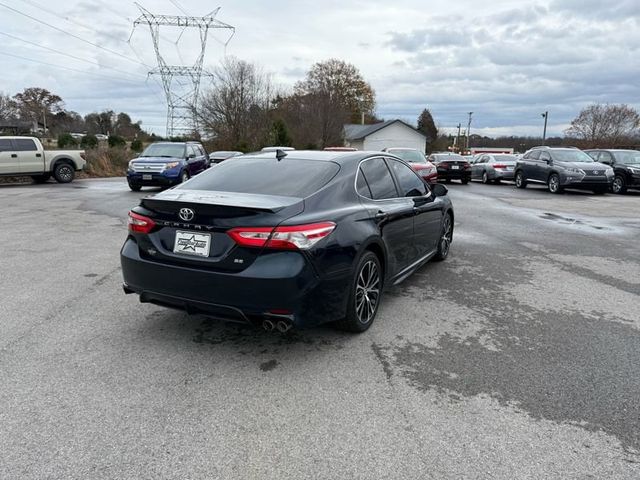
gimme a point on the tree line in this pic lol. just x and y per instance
(244, 110)
(36, 107)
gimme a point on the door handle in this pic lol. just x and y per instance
(38, 155)
(14, 155)
(381, 216)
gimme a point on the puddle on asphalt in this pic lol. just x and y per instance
(570, 221)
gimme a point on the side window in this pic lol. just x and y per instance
(191, 151)
(202, 152)
(534, 155)
(410, 184)
(545, 156)
(5, 145)
(594, 155)
(361, 185)
(605, 157)
(25, 145)
(485, 159)
(379, 179)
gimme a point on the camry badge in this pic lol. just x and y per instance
(186, 214)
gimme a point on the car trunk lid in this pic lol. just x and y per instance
(207, 216)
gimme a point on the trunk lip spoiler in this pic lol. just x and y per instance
(267, 203)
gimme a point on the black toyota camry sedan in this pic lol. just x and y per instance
(287, 239)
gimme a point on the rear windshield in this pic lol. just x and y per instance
(449, 158)
(413, 156)
(289, 177)
(505, 158)
(170, 150)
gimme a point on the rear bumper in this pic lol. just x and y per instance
(283, 281)
(504, 174)
(454, 174)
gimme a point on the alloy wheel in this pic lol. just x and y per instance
(367, 292)
(618, 185)
(554, 184)
(65, 173)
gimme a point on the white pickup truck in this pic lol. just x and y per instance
(25, 156)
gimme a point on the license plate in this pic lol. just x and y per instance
(147, 176)
(455, 167)
(192, 243)
(509, 168)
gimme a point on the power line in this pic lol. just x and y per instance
(67, 68)
(70, 55)
(177, 5)
(72, 35)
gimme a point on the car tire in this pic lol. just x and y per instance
(485, 178)
(446, 237)
(134, 187)
(619, 185)
(184, 176)
(519, 180)
(360, 311)
(64, 172)
(465, 181)
(41, 178)
(497, 181)
(553, 183)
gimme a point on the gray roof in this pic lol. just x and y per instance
(353, 131)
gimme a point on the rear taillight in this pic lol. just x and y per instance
(83, 156)
(499, 165)
(443, 165)
(140, 224)
(282, 238)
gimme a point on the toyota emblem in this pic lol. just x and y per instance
(186, 214)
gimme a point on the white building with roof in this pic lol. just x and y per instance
(392, 133)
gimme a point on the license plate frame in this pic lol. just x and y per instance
(455, 167)
(147, 176)
(195, 244)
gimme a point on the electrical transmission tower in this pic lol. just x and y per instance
(182, 96)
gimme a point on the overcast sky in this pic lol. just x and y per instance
(506, 60)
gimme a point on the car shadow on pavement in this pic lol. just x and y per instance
(236, 338)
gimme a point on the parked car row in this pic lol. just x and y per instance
(560, 168)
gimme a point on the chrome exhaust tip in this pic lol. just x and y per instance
(268, 325)
(283, 326)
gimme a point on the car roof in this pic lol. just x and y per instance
(320, 155)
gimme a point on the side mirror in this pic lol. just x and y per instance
(439, 190)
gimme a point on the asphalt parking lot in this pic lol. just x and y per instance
(516, 358)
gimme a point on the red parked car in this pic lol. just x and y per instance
(417, 161)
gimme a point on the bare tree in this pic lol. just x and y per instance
(8, 107)
(235, 110)
(36, 104)
(605, 125)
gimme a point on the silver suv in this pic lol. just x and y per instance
(562, 167)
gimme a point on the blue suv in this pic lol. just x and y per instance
(164, 164)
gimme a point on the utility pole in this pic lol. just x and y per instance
(468, 131)
(182, 98)
(458, 137)
(545, 115)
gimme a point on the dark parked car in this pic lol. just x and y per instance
(281, 241)
(417, 161)
(221, 155)
(166, 164)
(626, 167)
(493, 167)
(451, 166)
(561, 168)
